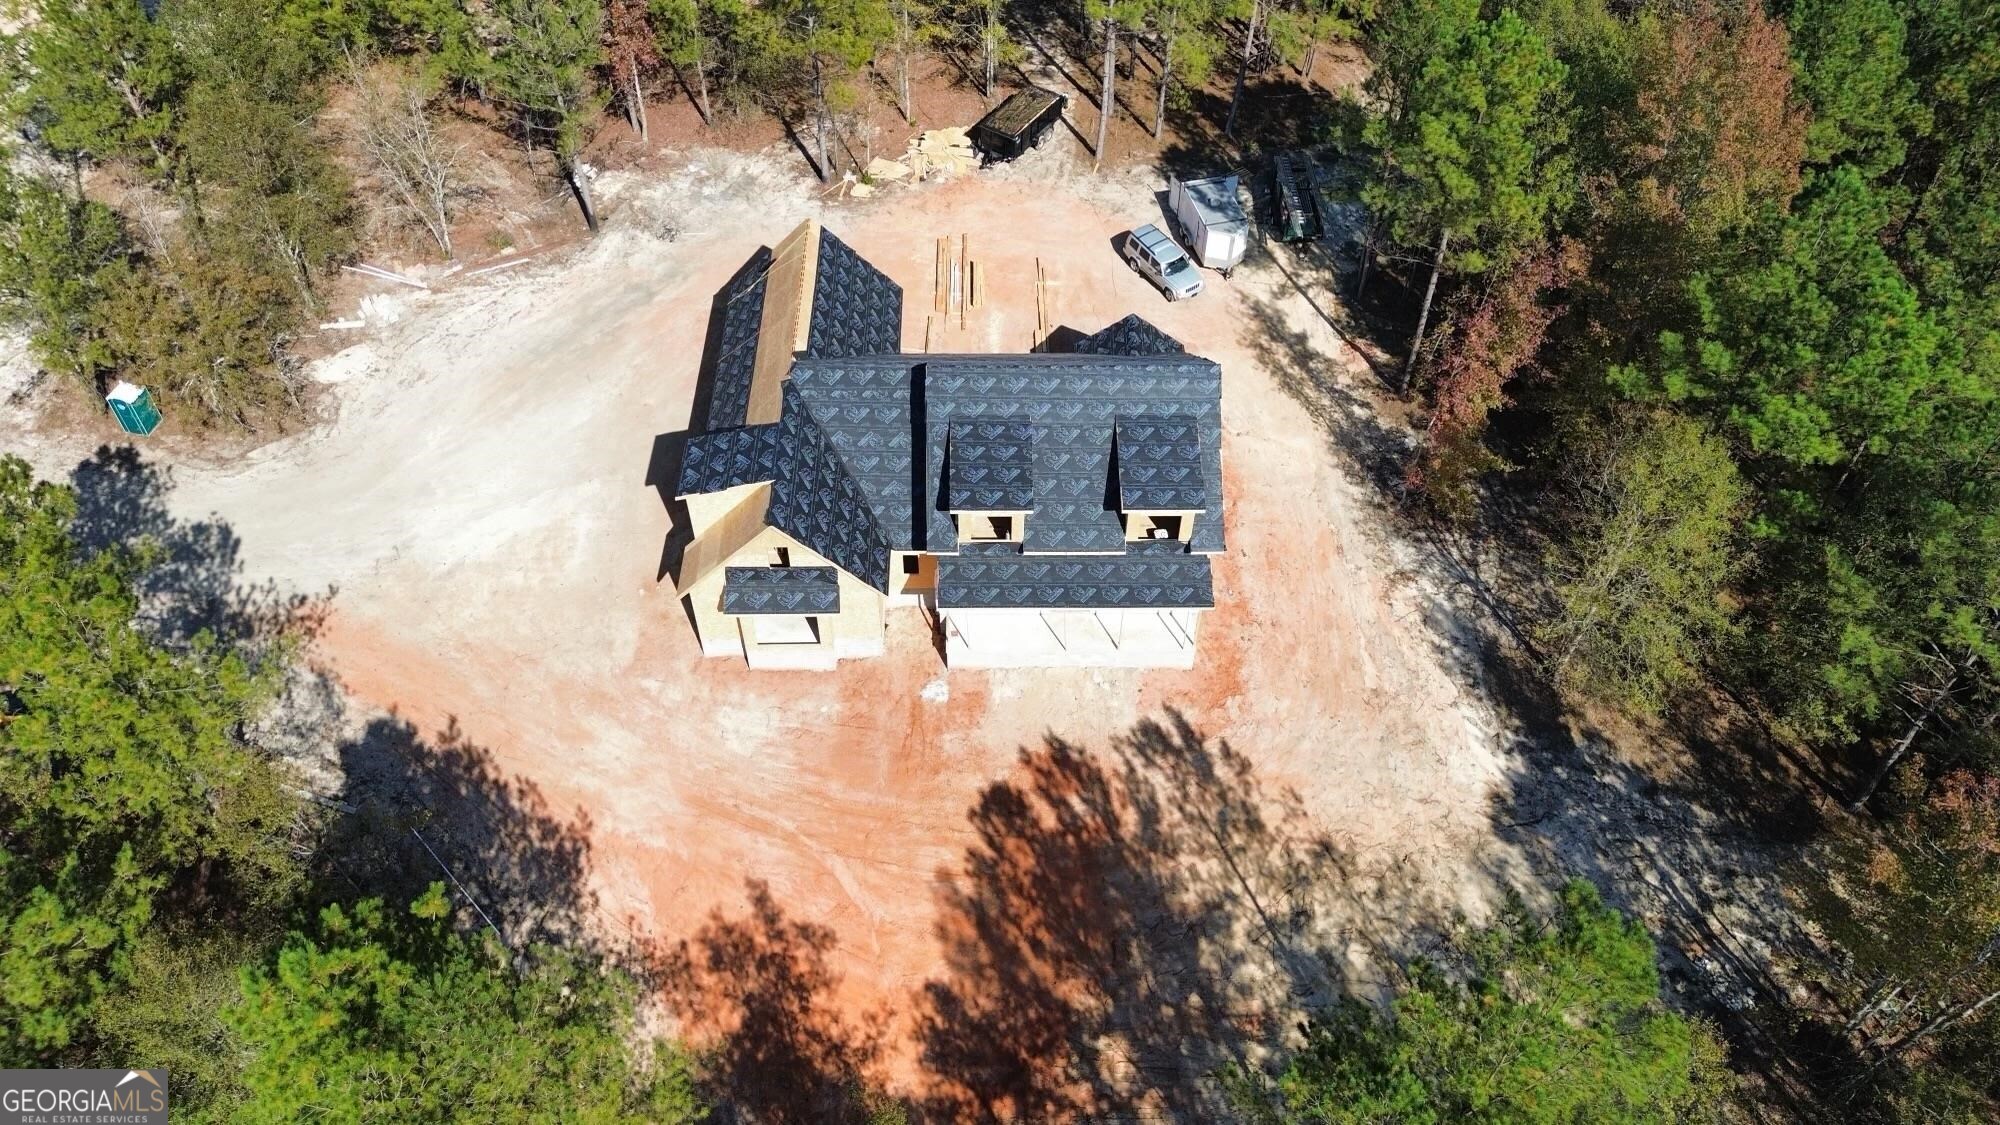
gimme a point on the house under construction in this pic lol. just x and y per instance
(1044, 509)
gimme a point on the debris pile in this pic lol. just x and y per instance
(931, 153)
(942, 152)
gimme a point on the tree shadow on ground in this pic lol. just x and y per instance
(1128, 922)
(1371, 450)
(756, 991)
(421, 810)
(1688, 826)
(194, 582)
(403, 797)
(1699, 858)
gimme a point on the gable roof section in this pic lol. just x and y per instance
(786, 324)
(1133, 335)
(865, 408)
(856, 309)
(725, 536)
(868, 451)
(780, 589)
(1159, 464)
(727, 458)
(816, 500)
(1159, 579)
(989, 467)
(742, 303)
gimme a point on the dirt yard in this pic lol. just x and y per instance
(999, 893)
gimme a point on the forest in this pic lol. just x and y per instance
(1696, 304)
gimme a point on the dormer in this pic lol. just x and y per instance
(1161, 488)
(990, 480)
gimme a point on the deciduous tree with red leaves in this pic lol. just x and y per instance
(1716, 127)
(631, 50)
(1500, 331)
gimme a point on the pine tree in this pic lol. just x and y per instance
(1561, 1022)
(1106, 17)
(831, 40)
(262, 180)
(545, 73)
(122, 770)
(1852, 68)
(1186, 45)
(56, 255)
(104, 79)
(368, 1015)
(1472, 142)
(915, 26)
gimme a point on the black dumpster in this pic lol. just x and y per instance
(1017, 124)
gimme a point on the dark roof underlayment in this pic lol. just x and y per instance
(727, 458)
(1159, 465)
(856, 309)
(1133, 335)
(873, 449)
(1075, 403)
(988, 467)
(868, 410)
(736, 353)
(1144, 578)
(780, 589)
(816, 501)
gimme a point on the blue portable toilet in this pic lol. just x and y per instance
(134, 409)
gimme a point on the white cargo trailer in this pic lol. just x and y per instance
(1209, 219)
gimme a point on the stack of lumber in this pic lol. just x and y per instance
(960, 283)
(940, 152)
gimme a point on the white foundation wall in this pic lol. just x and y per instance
(1031, 638)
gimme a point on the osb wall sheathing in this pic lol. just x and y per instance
(1137, 520)
(720, 535)
(787, 320)
(857, 630)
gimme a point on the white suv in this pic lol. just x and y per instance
(1159, 259)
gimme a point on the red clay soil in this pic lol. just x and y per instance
(890, 845)
(1033, 894)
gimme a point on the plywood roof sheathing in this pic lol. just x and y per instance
(787, 319)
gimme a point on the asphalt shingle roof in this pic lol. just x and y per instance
(1159, 464)
(989, 467)
(780, 589)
